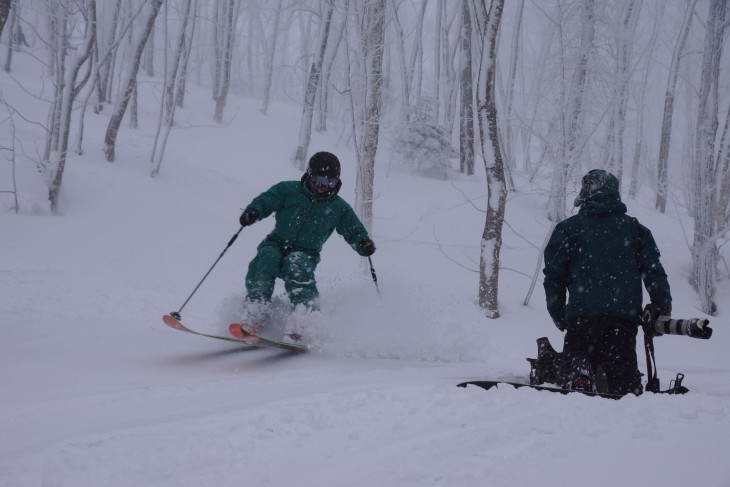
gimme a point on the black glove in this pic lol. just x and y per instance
(249, 216)
(367, 247)
(653, 311)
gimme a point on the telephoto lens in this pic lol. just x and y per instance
(692, 327)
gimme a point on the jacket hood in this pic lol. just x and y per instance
(604, 201)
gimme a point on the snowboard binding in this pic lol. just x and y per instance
(542, 368)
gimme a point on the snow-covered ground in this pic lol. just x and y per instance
(96, 391)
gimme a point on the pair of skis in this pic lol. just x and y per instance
(242, 333)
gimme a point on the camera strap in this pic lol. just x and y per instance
(652, 383)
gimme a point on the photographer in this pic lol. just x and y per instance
(595, 263)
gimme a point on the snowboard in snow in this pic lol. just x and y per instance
(247, 334)
(177, 324)
(488, 384)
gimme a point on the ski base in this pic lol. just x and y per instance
(488, 384)
(172, 322)
(244, 333)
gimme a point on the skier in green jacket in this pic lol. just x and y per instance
(595, 264)
(307, 212)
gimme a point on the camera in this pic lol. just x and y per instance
(691, 327)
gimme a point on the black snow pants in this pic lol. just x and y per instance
(609, 345)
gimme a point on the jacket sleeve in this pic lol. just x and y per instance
(351, 228)
(270, 200)
(652, 271)
(557, 273)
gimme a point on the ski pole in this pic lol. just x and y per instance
(176, 314)
(375, 278)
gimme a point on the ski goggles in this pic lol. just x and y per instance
(319, 181)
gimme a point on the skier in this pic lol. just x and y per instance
(306, 212)
(600, 257)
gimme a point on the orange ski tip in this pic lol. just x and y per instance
(172, 322)
(240, 332)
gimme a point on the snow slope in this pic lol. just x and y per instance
(97, 391)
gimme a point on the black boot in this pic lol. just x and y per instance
(581, 376)
(542, 369)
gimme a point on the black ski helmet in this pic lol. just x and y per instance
(323, 173)
(593, 181)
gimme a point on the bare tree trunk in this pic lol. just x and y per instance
(13, 22)
(315, 71)
(437, 58)
(176, 66)
(466, 118)
(270, 59)
(626, 39)
(106, 64)
(4, 14)
(221, 94)
(178, 85)
(68, 92)
(722, 211)
(218, 43)
(666, 130)
(704, 249)
(416, 64)
(324, 91)
(149, 55)
(449, 49)
(129, 79)
(509, 152)
(639, 142)
(374, 39)
(572, 116)
(404, 75)
(491, 243)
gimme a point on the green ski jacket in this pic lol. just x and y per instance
(305, 221)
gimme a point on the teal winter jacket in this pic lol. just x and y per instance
(599, 258)
(305, 221)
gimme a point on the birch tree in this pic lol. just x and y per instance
(416, 64)
(623, 58)
(466, 117)
(704, 249)
(491, 242)
(374, 37)
(666, 130)
(104, 43)
(404, 74)
(722, 212)
(223, 57)
(65, 77)
(13, 12)
(315, 71)
(4, 13)
(639, 141)
(129, 78)
(572, 116)
(329, 63)
(437, 57)
(175, 83)
(270, 58)
(511, 82)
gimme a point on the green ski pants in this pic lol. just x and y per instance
(296, 269)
